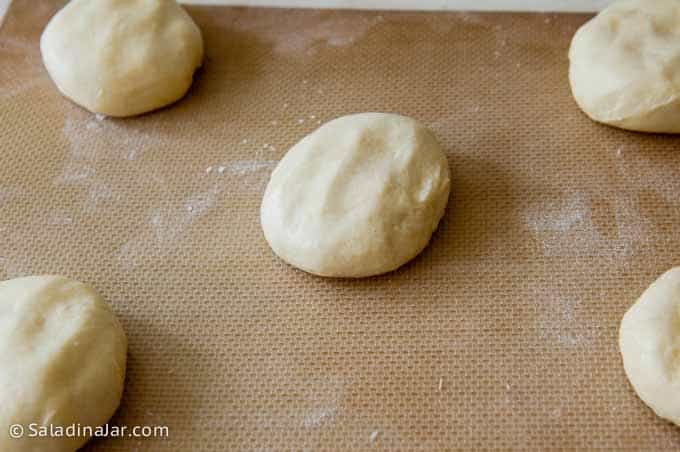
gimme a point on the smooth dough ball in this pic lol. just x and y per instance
(62, 360)
(122, 57)
(649, 339)
(360, 196)
(625, 66)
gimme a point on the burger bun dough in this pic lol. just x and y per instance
(62, 361)
(625, 66)
(122, 57)
(649, 339)
(360, 196)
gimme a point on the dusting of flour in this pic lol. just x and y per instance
(567, 226)
(166, 228)
(243, 167)
(302, 32)
(557, 321)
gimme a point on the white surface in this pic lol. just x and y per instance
(472, 5)
(451, 5)
(448, 5)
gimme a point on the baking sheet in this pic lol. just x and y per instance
(501, 335)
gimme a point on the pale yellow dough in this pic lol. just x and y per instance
(649, 340)
(625, 66)
(62, 360)
(122, 57)
(360, 196)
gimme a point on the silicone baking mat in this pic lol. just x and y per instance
(503, 333)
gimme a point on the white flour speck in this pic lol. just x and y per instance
(243, 167)
(557, 321)
(558, 217)
(323, 396)
(8, 193)
(59, 219)
(166, 227)
(318, 417)
(302, 35)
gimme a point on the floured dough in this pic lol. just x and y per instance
(122, 57)
(649, 339)
(625, 66)
(360, 196)
(62, 360)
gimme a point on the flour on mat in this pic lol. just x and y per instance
(556, 319)
(81, 173)
(92, 142)
(642, 172)
(243, 167)
(323, 398)
(301, 32)
(20, 87)
(25, 76)
(318, 417)
(566, 227)
(59, 218)
(558, 217)
(84, 135)
(9, 193)
(167, 226)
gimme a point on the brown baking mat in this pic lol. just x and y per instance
(501, 335)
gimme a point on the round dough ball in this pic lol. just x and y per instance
(62, 360)
(122, 57)
(360, 196)
(649, 340)
(625, 66)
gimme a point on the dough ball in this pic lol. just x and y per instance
(122, 57)
(62, 360)
(360, 196)
(625, 66)
(649, 339)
